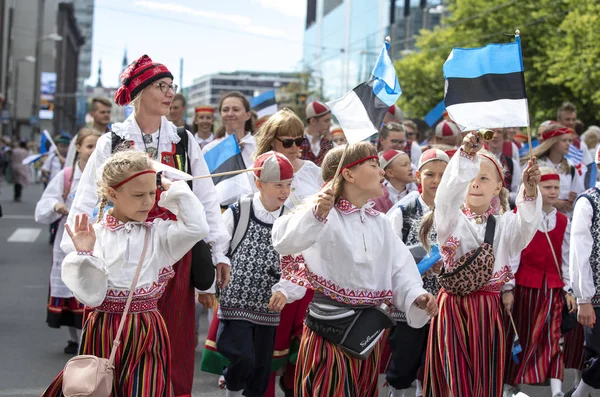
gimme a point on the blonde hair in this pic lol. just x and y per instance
(590, 137)
(543, 149)
(81, 135)
(354, 152)
(283, 123)
(116, 169)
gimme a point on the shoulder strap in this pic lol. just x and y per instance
(490, 230)
(242, 224)
(572, 171)
(117, 340)
(182, 149)
(67, 174)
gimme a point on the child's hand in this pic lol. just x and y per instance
(325, 201)
(571, 303)
(207, 300)
(427, 302)
(508, 299)
(563, 206)
(277, 302)
(586, 315)
(531, 177)
(61, 208)
(470, 143)
(572, 197)
(84, 237)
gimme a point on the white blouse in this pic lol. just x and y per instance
(119, 247)
(582, 277)
(307, 182)
(459, 232)
(354, 256)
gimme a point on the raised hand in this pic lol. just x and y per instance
(84, 236)
(531, 177)
(470, 143)
(325, 201)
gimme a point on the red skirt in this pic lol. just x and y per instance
(537, 314)
(467, 343)
(66, 312)
(574, 354)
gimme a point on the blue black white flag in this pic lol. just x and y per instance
(485, 87)
(360, 112)
(264, 104)
(435, 114)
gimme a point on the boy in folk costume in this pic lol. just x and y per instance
(408, 345)
(466, 350)
(542, 279)
(585, 279)
(63, 308)
(101, 272)
(398, 179)
(354, 261)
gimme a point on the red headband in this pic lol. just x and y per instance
(495, 165)
(550, 177)
(357, 162)
(555, 133)
(118, 185)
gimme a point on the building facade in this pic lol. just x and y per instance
(342, 38)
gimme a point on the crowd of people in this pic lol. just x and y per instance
(427, 257)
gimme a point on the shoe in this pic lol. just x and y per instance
(72, 348)
(287, 392)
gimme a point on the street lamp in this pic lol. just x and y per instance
(28, 59)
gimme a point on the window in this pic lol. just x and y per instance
(330, 5)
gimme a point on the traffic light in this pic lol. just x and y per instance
(301, 99)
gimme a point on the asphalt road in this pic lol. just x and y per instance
(32, 353)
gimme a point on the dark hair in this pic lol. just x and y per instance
(249, 126)
(102, 101)
(180, 97)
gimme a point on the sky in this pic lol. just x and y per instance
(210, 35)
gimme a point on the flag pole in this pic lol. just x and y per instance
(512, 322)
(518, 38)
(225, 173)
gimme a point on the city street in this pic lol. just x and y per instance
(32, 352)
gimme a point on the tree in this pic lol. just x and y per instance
(558, 53)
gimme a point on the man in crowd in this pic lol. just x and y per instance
(318, 120)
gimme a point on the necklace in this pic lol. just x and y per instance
(147, 138)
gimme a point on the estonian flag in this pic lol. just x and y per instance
(223, 157)
(485, 87)
(264, 104)
(435, 114)
(46, 146)
(516, 348)
(360, 112)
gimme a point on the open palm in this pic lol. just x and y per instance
(84, 237)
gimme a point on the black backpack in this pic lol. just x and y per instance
(203, 269)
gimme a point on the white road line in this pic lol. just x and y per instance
(18, 217)
(24, 235)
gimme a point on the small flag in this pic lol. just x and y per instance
(223, 157)
(32, 158)
(264, 104)
(435, 114)
(360, 112)
(516, 348)
(485, 87)
(574, 156)
(46, 143)
(430, 259)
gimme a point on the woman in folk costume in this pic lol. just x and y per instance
(408, 345)
(354, 261)
(236, 118)
(541, 281)
(100, 271)
(148, 86)
(63, 308)
(466, 350)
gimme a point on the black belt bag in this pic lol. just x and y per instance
(355, 330)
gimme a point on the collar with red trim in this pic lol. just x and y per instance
(113, 224)
(479, 219)
(347, 208)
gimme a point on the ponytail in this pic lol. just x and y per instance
(101, 211)
(425, 229)
(503, 196)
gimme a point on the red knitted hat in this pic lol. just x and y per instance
(139, 74)
(316, 109)
(275, 167)
(446, 128)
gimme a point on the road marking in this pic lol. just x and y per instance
(18, 217)
(22, 392)
(24, 235)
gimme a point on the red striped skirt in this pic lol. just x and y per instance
(537, 313)
(143, 360)
(574, 353)
(324, 370)
(64, 312)
(467, 343)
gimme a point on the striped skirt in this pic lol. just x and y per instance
(66, 312)
(537, 313)
(467, 343)
(143, 360)
(574, 352)
(324, 370)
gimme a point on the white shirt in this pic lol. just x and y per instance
(516, 174)
(87, 197)
(354, 255)
(394, 194)
(203, 142)
(307, 181)
(315, 143)
(582, 277)
(415, 153)
(52, 165)
(119, 247)
(567, 184)
(458, 232)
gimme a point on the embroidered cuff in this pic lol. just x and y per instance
(467, 155)
(582, 301)
(527, 198)
(86, 253)
(318, 217)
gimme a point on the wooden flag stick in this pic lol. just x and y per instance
(513, 323)
(225, 173)
(339, 168)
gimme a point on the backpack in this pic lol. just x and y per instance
(67, 174)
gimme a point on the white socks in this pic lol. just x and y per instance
(583, 390)
(74, 334)
(555, 386)
(396, 393)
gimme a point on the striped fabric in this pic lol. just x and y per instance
(324, 370)
(64, 312)
(574, 353)
(143, 360)
(575, 155)
(467, 344)
(537, 314)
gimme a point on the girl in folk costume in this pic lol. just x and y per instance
(63, 308)
(204, 120)
(408, 345)
(398, 178)
(541, 280)
(584, 258)
(101, 272)
(235, 115)
(354, 261)
(466, 350)
(148, 86)
(338, 138)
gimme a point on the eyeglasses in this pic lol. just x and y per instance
(164, 87)
(287, 143)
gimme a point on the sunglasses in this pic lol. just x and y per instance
(287, 143)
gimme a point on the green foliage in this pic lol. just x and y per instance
(560, 43)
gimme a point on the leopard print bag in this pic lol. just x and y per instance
(473, 269)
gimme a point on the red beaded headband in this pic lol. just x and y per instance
(118, 185)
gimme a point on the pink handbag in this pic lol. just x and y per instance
(92, 376)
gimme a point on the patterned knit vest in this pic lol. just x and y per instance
(593, 195)
(254, 270)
